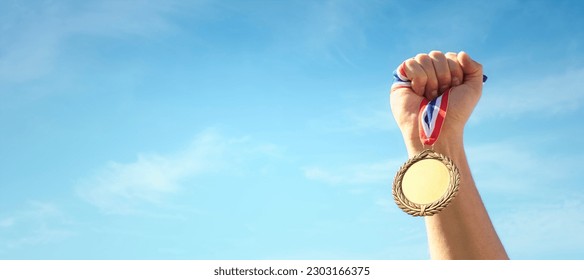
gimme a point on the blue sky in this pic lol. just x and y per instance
(262, 129)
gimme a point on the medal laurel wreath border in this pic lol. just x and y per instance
(430, 209)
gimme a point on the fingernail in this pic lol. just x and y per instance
(443, 89)
(455, 81)
(434, 94)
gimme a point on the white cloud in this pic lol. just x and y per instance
(324, 24)
(357, 174)
(512, 166)
(504, 167)
(154, 179)
(6, 222)
(328, 30)
(533, 197)
(38, 32)
(37, 223)
(372, 120)
(451, 25)
(548, 96)
(363, 116)
(544, 228)
(119, 187)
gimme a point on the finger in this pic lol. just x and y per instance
(417, 75)
(455, 69)
(431, 89)
(473, 71)
(442, 70)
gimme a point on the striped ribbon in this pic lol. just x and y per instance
(432, 112)
(400, 78)
(431, 116)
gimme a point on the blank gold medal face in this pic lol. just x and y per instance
(425, 184)
(426, 181)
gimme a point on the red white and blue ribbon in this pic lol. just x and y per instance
(400, 78)
(432, 112)
(431, 117)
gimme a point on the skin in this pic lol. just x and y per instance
(463, 230)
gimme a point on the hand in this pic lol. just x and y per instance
(432, 74)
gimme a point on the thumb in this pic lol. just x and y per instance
(473, 71)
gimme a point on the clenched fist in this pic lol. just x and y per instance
(431, 75)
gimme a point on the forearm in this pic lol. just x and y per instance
(462, 230)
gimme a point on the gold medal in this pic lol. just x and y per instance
(426, 184)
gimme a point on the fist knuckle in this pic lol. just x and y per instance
(410, 62)
(435, 54)
(451, 56)
(422, 58)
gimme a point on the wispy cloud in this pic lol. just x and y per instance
(38, 32)
(36, 223)
(6, 222)
(548, 96)
(327, 30)
(550, 228)
(533, 196)
(121, 187)
(452, 25)
(365, 115)
(356, 174)
(511, 166)
(326, 23)
(376, 119)
(506, 167)
(153, 179)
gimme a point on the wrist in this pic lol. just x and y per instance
(449, 144)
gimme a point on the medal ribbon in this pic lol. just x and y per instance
(431, 116)
(432, 112)
(400, 78)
